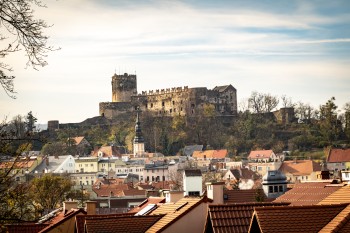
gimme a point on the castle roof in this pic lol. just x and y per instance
(222, 88)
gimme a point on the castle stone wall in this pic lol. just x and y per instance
(176, 101)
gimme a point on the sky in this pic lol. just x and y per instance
(300, 49)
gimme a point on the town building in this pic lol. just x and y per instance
(338, 159)
(274, 184)
(86, 164)
(192, 182)
(301, 170)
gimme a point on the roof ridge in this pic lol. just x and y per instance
(302, 206)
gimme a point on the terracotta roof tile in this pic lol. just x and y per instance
(341, 195)
(294, 218)
(340, 223)
(338, 156)
(210, 154)
(260, 154)
(174, 211)
(78, 140)
(300, 167)
(26, 228)
(61, 218)
(242, 196)
(80, 219)
(309, 193)
(233, 217)
(129, 224)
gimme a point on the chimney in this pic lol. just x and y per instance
(91, 207)
(215, 191)
(68, 205)
(173, 196)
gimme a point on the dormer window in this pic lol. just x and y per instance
(100, 154)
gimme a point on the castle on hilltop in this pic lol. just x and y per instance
(176, 101)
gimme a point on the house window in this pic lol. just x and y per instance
(91, 165)
(270, 189)
(275, 189)
(259, 168)
(280, 189)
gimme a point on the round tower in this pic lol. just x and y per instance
(123, 87)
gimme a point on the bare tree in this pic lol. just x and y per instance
(262, 103)
(287, 102)
(21, 31)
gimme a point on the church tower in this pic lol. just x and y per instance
(123, 87)
(139, 142)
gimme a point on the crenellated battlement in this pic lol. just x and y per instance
(164, 91)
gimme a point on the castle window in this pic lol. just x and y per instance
(163, 104)
(152, 105)
(171, 110)
(181, 102)
(174, 109)
(173, 102)
(135, 108)
(181, 109)
(146, 105)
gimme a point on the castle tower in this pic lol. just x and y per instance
(139, 142)
(123, 87)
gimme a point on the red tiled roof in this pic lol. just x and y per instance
(300, 167)
(130, 224)
(309, 193)
(260, 154)
(78, 140)
(162, 184)
(339, 155)
(61, 218)
(115, 189)
(242, 196)
(134, 192)
(210, 154)
(25, 228)
(341, 195)
(294, 218)
(80, 219)
(18, 164)
(108, 151)
(341, 223)
(233, 217)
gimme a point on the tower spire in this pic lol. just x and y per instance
(139, 142)
(138, 132)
